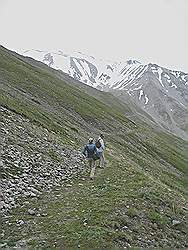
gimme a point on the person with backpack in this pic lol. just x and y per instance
(100, 149)
(90, 151)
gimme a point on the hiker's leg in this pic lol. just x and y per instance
(93, 164)
(102, 160)
(97, 163)
(92, 169)
(90, 163)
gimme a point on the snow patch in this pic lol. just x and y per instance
(184, 79)
(138, 87)
(182, 104)
(175, 73)
(147, 99)
(160, 71)
(173, 85)
(141, 94)
(167, 76)
(129, 92)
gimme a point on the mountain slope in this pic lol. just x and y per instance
(138, 200)
(160, 92)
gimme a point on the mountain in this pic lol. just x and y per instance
(159, 92)
(138, 200)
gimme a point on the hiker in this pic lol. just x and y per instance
(100, 149)
(90, 151)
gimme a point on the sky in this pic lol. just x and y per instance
(153, 31)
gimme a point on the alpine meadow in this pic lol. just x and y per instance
(138, 200)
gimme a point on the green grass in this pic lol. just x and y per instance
(157, 217)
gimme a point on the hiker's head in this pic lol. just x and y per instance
(90, 140)
(102, 136)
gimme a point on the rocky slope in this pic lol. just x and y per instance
(47, 199)
(160, 92)
(33, 160)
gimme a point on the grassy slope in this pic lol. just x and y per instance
(47, 100)
(142, 188)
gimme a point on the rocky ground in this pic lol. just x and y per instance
(32, 160)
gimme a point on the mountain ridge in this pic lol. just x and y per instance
(160, 92)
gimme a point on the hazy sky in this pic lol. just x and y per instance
(146, 30)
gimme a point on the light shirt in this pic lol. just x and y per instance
(102, 145)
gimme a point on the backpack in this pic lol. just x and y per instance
(98, 143)
(90, 150)
(96, 156)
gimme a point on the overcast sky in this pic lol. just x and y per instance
(146, 30)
